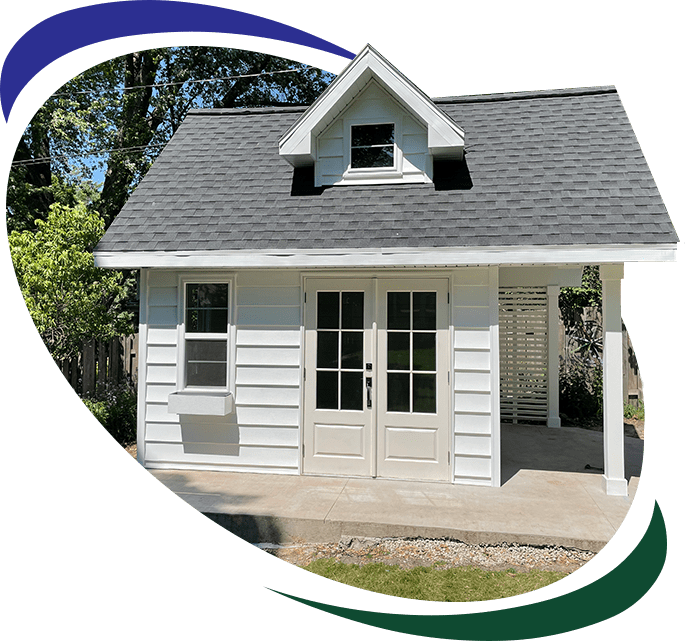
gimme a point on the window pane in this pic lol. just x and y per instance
(207, 320)
(206, 363)
(328, 310)
(424, 393)
(424, 352)
(372, 157)
(398, 350)
(353, 310)
(424, 310)
(204, 374)
(207, 295)
(398, 310)
(398, 392)
(206, 351)
(366, 135)
(351, 391)
(327, 350)
(352, 350)
(327, 390)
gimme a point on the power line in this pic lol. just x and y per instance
(183, 82)
(99, 152)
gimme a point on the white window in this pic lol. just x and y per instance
(206, 321)
(372, 146)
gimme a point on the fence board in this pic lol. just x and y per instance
(102, 363)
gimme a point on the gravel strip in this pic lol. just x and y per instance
(441, 553)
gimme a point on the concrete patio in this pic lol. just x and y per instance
(548, 496)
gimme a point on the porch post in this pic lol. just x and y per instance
(553, 419)
(614, 481)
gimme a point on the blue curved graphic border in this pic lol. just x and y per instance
(71, 30)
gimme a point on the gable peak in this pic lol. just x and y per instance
(445, 137)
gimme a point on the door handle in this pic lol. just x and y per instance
(368, 392)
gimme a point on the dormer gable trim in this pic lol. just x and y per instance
(298, 144)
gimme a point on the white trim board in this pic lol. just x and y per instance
(395, 257)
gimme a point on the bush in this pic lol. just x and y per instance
(116, 410)
(580, 391)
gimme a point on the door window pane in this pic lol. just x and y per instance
(353, 310)
(352, 350)
(424, 310)
(398, 392)
(424, 393)
(328, 310)
(327, 390)
(398, 350)
(327, 350)
(351, 391)
(398, 310)
(424, 352)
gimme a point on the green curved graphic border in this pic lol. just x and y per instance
(604, 598)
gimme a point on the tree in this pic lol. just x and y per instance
(134, 103)
(70, 300)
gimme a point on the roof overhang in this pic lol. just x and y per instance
(445, 137)
(395, 257)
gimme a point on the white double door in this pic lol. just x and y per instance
(376, 399)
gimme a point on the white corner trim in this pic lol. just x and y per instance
(395, 257)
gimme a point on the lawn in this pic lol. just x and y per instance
(434, 583)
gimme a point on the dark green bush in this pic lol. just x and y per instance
(116, 409)
(580, 391)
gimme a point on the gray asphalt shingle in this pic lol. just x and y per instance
(547, 168)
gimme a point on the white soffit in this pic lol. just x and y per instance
(445, 137)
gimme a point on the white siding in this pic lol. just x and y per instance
(262, 433)
(473, 377)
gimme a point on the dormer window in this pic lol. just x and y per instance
(372, 146)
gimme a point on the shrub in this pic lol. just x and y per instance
(580, 391)
(115, 408)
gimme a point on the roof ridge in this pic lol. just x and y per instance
(527, 95)
(493, 97)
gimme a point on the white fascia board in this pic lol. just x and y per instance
(445, 137)
(400, 257)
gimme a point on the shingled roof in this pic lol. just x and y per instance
(542, 168)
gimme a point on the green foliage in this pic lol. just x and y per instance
(435, 584)
(630, 411)
(580, 391)
(70, 300)
(572, 300)
(115, 408)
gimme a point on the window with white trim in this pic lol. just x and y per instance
(372, 146)
(206, 333)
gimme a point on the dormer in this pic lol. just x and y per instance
(372, 126)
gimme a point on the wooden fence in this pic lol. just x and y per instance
(103, 364)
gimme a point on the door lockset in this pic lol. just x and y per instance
(368, 392)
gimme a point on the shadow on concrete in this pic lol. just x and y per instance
(250, 528)
(565, 449)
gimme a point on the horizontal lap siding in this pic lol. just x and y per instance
(262, 433)
(472, 377)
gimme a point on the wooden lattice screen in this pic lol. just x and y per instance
(523, 331)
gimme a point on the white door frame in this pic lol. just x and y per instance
(372, 285)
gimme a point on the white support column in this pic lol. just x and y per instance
(614, 480)
(494, 377)
(553, 419)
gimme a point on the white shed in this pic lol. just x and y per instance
(348, 289)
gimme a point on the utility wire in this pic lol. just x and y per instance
(99, 152)
(183, 82)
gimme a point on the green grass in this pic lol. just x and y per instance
(434, 584)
